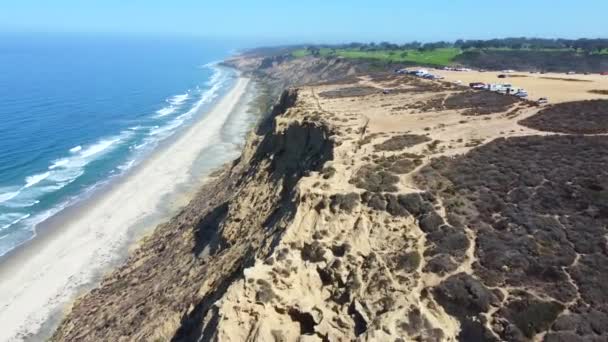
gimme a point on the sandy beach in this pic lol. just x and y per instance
(44, 276)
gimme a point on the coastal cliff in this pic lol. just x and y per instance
(379, 208)
(175, 276)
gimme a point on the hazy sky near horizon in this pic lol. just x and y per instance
(287, 21)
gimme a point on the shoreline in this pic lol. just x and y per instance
(70, 254)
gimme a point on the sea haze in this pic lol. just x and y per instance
(78, 111)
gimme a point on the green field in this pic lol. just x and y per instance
(300, 53)
(430, 57)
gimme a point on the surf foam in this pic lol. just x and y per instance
(178, 99)
(35, 179)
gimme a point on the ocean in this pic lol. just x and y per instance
(78, 111)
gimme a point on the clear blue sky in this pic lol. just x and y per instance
(289, 21)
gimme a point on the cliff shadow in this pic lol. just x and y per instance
(206, 231)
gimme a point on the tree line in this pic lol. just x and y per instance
(585, 44)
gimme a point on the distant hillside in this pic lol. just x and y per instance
(561, 55)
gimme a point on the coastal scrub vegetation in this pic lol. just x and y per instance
(375, 179)
(599, 91)
(399, 142)
(582, 117)
(349, 92)
(473, 103)
(535, 204)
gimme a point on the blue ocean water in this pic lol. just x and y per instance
(77, 111)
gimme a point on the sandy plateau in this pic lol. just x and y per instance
(555, 86)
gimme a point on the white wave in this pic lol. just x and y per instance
(173, 124)
(10, 219)
(35, 179)
(166, 111)
(31, 222)
(59, 163)
(140, 146)
(66, 175)
(21, 203)
(215, 78)
(212, 64)
(178, 99)
(127, 165)
(215, 83)
(75, 149)
(175, 102)
(60, 173)
(90, 152)
(66, 170)
(99, 147)
(10, 194)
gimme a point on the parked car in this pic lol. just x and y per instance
(542, 100)
(605, 73)
(571, 72)
(492, 87)
(477, 85)
(502, 76)
(522, 93)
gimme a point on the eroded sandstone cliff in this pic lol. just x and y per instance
(176, 275)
